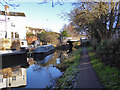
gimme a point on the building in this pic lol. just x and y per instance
(34, 31)
(12, 25)
(12, 28)
(13, 77)
(32, 34)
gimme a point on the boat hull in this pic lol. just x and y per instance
(12, 59)
(41, 55)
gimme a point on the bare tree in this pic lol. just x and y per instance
(10, 3)
(98, 18)
(53, 2)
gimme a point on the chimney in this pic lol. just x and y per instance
(6, 8)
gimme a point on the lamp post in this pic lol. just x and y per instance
(5, 25)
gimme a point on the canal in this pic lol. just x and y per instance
(34, 73)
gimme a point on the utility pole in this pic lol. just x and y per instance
(6, 13)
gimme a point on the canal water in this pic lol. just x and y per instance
(33, 74)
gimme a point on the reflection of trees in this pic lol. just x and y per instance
(12, 71)
(37, 67)
(58, 54)
(31, 61)
(52, 61)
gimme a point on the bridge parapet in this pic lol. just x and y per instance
(72, 39)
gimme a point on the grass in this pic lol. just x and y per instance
(109, 76)
(70, 69)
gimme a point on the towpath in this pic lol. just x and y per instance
(87, 77)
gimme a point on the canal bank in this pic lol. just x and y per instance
(70, 68)
(108, 75)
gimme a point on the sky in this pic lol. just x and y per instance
(43, 15)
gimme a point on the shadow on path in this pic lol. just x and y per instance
(87, 77)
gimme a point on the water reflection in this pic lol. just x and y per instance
(41, 77)
(40, 73)
(12, 77)
(43, 73)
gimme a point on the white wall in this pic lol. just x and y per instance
(14, 24)
(2, 82)
(21, 80)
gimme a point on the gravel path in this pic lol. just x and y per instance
(86, 77)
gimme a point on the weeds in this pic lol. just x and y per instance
(109, 76)
(70, 69)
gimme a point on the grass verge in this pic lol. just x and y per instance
(69, 66)
(109, 76)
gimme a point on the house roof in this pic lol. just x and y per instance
(12, 13)
(35, 29)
